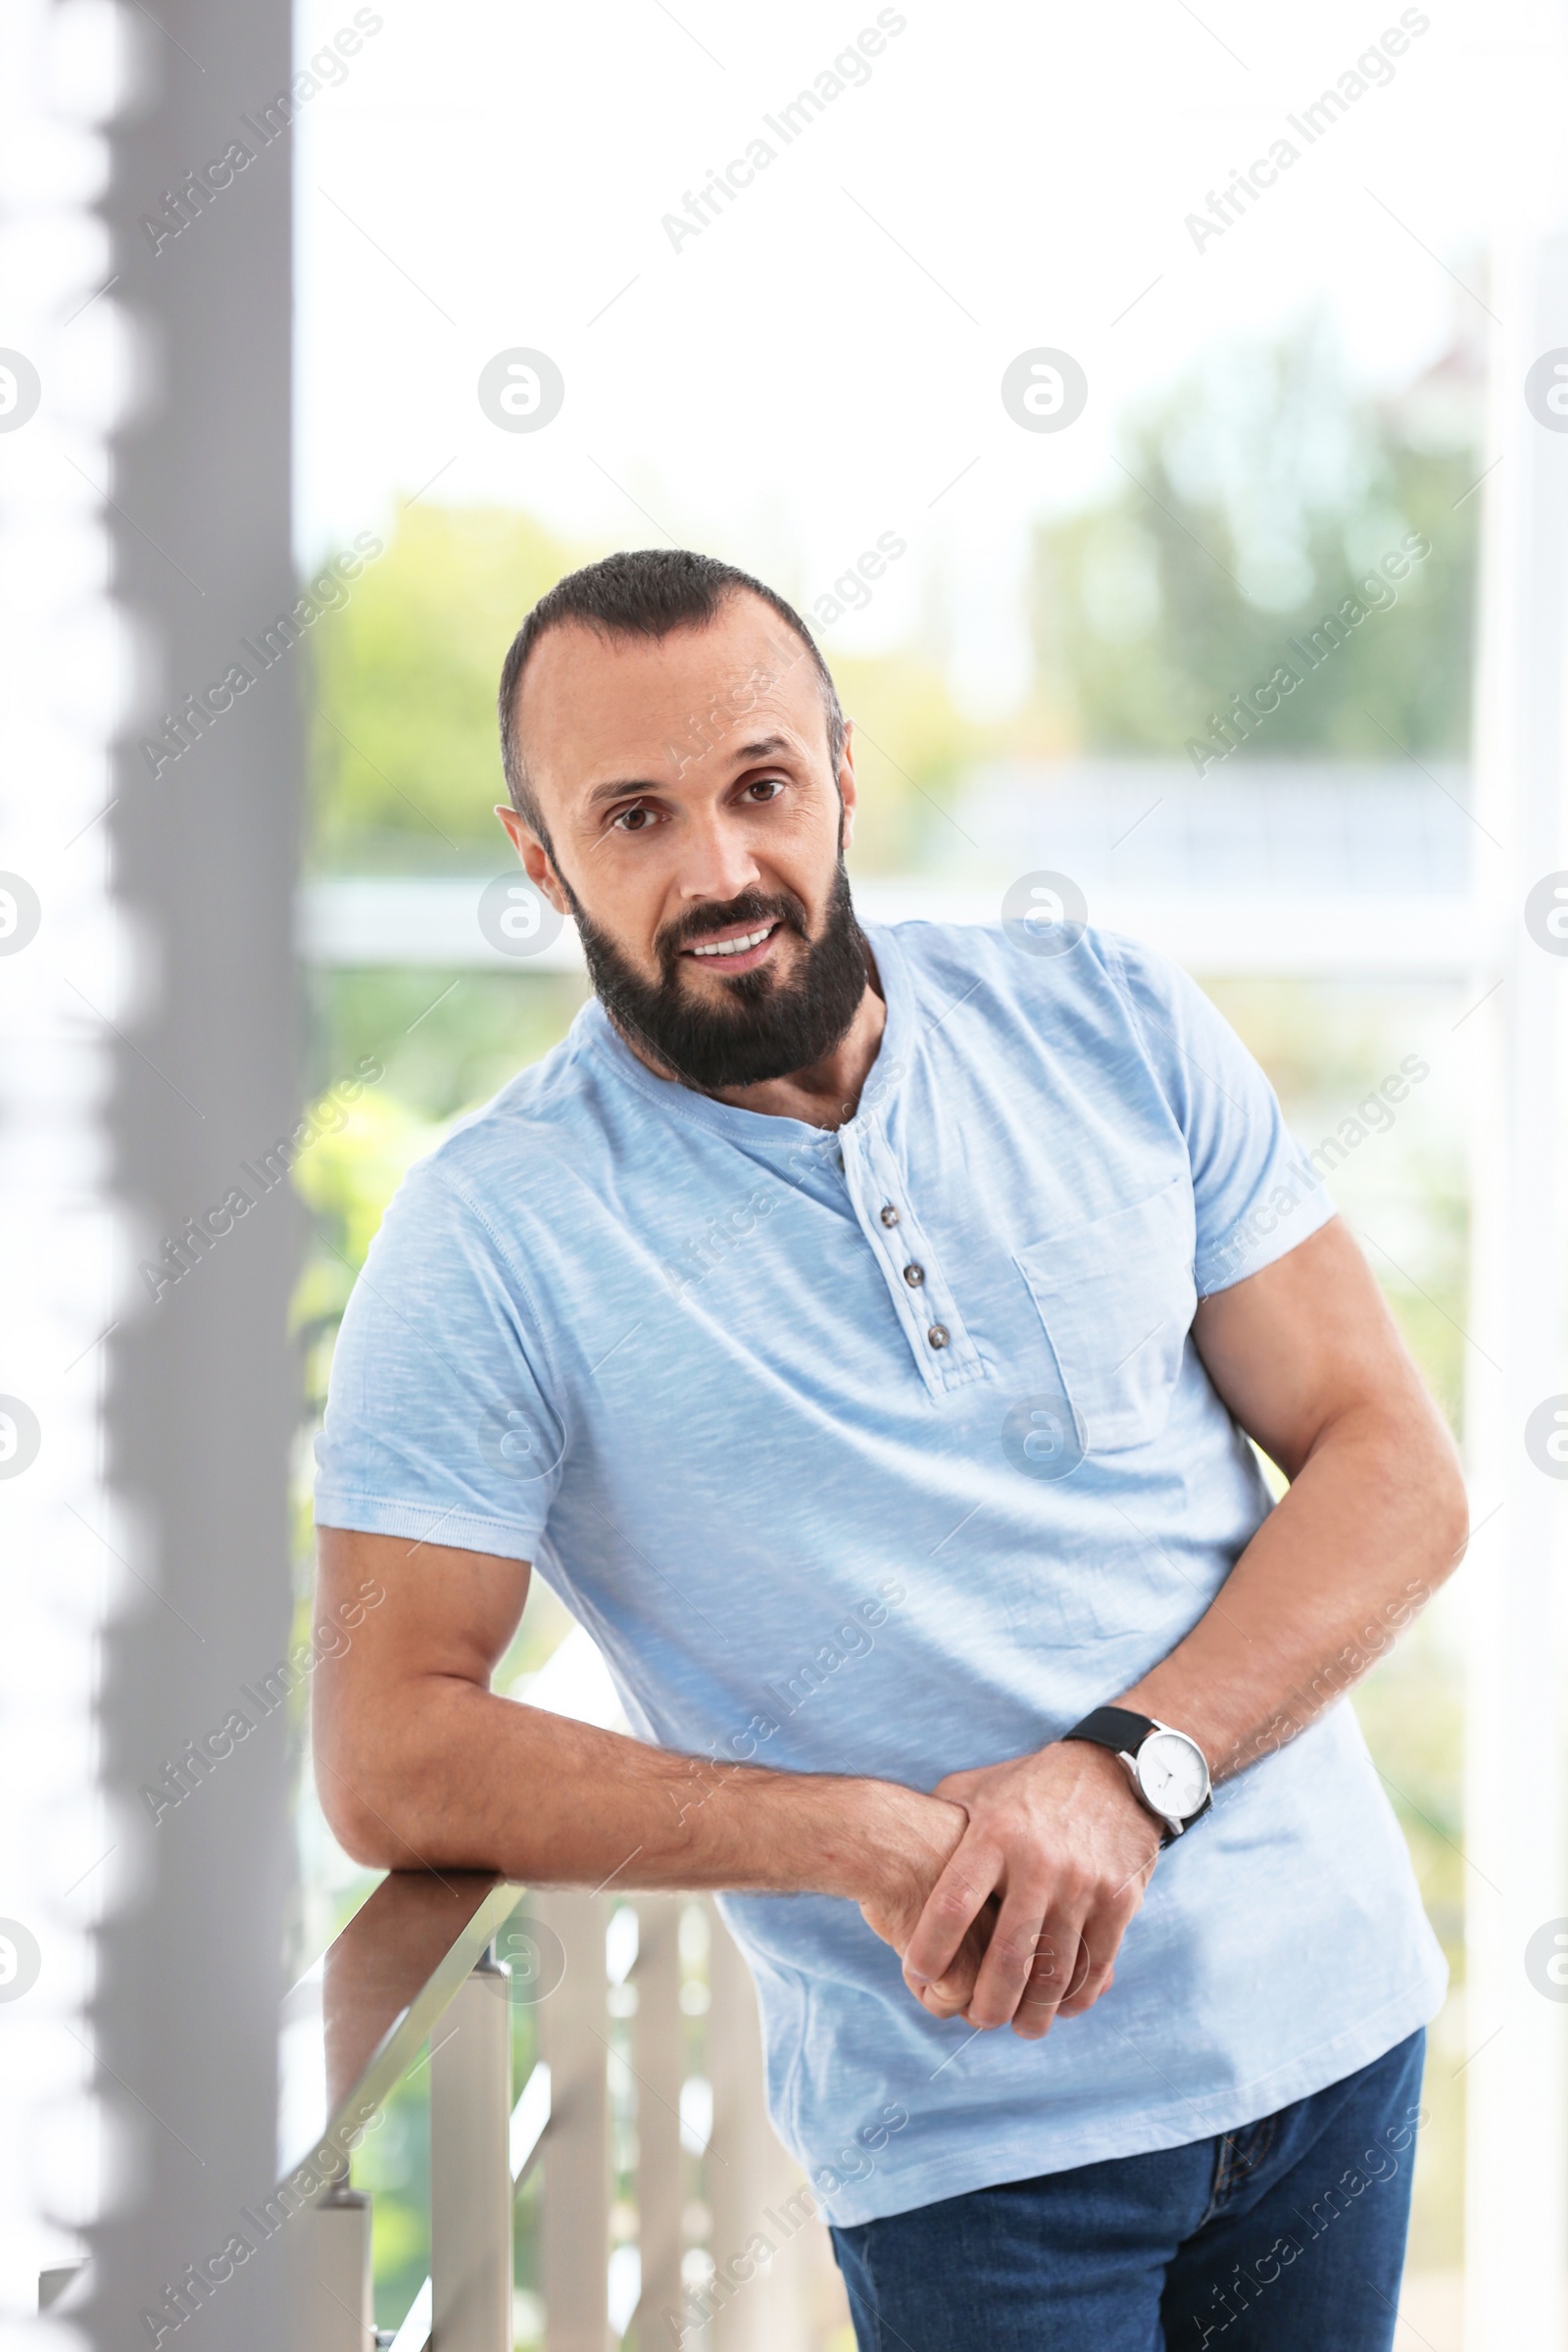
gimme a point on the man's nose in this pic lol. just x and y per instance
(718, 862)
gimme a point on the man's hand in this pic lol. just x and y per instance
(1053, 1863)
(913, 1849)
(424, 1767)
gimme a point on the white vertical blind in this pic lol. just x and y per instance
(63, 976)
(1516, 1882)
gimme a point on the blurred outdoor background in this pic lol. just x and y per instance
(1137, 637)
(1271, 414)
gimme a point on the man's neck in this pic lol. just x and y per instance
(823, 1096)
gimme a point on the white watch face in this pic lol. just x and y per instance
(1172, 1774)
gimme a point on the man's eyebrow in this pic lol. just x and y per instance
(766, 747)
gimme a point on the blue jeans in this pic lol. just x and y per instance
(1286, 2236)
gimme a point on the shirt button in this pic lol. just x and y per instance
(890, 1215)
(938, 1334)
(915, 1276)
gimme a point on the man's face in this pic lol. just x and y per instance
(695, 829)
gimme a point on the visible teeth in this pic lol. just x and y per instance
(736, 946)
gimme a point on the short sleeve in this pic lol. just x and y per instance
(1256, 1194)
(442, 1421)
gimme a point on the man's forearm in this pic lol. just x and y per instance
(453, 1776)
(1370, 1528)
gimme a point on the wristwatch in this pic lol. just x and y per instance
(1168, 1771)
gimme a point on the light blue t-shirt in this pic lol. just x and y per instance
(897, 1463)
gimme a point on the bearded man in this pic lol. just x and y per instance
(872, 1335)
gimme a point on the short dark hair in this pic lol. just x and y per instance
(650, 592)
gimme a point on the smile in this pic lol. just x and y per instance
(740, 947)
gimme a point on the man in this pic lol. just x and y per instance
(863, 1330)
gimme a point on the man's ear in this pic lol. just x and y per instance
(534, 855)
(847, 788)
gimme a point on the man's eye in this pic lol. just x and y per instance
(768, 785)
(633, 820)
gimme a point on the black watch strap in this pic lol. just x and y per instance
(1123, 1730)
(1120, 1728)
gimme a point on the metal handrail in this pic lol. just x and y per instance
(415, 1972)
(355, 2022)
(531, 2119)
(416, 1954)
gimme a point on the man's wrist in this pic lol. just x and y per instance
(1112, 1774)
(1175, 1708)
(1164, 1768)
(887, 1840)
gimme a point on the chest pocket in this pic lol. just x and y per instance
(1117, 1302)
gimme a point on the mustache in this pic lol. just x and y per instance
(751, 908)
(759, 1027)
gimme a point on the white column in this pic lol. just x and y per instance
(471, 2167)
(147, 995)
(660, 2059)
(573, 2026)
(331, 2302)
(793, 2296)
(1516, 1883)
(61, 1224)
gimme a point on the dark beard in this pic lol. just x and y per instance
(768, 1028)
